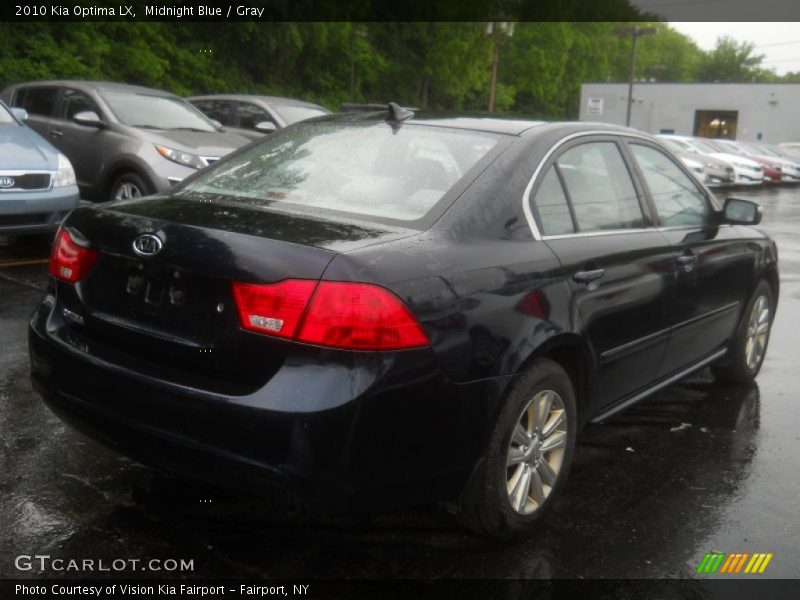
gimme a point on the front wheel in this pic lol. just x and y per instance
(529, 455)
(750, 345)
(129, 186)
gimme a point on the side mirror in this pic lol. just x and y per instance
(265, 127)
(742, 212)
(216, 123)
(20, 114)
(88, 118)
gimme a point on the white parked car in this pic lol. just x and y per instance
(716, 172)
(746, 171)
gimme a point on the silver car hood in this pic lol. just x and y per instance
(22, 149)
(201, 143)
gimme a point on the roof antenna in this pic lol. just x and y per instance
(398, 114)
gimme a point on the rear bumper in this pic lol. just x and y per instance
(37, 211)
(336, 431)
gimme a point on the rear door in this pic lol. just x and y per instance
(709, 259)
(620, 268)
(84, 146)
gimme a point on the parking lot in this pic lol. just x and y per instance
(695, 468)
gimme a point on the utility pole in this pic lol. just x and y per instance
(493, 78)
(353, 34)
(503, 28)
(635, 33)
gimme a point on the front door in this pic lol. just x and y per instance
(709, 258)
(246, 116)
(620, 268)
(83, 145)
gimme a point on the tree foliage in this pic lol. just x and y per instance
(434, 65)
(732, 61)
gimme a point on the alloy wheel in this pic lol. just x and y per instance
(127, 190)
(536, 452)
(757, 333)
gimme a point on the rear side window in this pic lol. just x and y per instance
(600, 188)
(293, 114)
(39, 100)
(678, 200)
(552, 206)
(374, 169)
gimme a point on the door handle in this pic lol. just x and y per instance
(687, 261)
(56, 133)
(588, 276)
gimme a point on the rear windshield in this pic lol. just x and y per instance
(375, 170)
(293, 114)
(704, 147)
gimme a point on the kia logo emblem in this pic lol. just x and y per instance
(6, 182)
(147, 244)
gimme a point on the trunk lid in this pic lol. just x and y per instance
(175, 310)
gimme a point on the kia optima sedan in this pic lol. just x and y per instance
(37, 183)
(377, 310)
(124, 141)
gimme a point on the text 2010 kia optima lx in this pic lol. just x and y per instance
(367, 311)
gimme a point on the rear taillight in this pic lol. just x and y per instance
(273, 308)
(361, 317)
(69, 261)
(355, 316)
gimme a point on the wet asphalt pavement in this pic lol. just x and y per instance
(695, 468)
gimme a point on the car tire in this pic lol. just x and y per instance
(128, 186)
(493, 502)
(750, 344)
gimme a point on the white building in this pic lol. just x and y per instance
(769, 112)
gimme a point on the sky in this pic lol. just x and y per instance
(779, 42)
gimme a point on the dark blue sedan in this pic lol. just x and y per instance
(37, 183)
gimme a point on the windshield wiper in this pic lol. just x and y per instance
(190, 129)
(145, 126)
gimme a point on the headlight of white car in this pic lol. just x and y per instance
(182, 158)
(65, 175)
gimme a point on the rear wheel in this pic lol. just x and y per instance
(752, 337)
(128, 186)
(528, 458)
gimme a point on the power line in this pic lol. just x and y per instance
(782, 60)
(779, 44)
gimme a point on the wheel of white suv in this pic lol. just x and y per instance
(750, 345)
(528, 457)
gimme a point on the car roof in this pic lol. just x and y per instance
(249, 97)
(501, 125)
(96, 86)
(489, 125)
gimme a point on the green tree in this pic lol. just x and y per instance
(731, 61)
